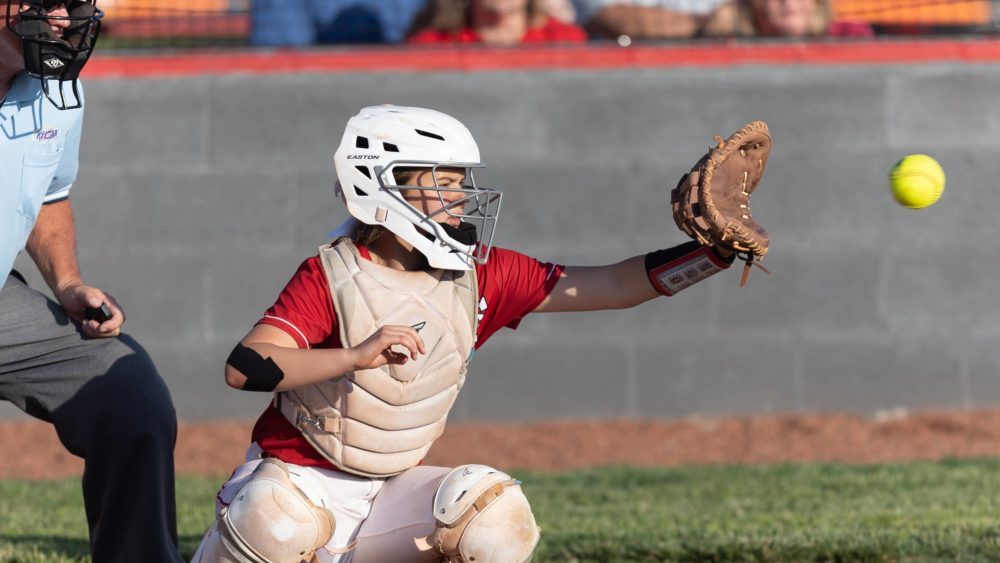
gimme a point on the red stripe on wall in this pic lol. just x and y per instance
(578, 57)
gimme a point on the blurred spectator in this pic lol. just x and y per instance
(657, 19)
(311, 22)
(781, 18)
(493, 22)
(645, 19)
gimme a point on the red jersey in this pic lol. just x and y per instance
(552, 30)
(511, 285)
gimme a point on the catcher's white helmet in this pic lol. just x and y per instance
(383, 139)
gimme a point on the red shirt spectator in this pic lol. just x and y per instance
(552, 30)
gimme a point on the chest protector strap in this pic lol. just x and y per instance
(380, 422)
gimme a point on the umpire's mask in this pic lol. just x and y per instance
(46, 54)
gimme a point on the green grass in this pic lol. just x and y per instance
(947, 511)
(43, 521)
(944, 511)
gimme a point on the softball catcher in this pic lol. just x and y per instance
(368, 346)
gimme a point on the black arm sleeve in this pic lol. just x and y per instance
(262, 373)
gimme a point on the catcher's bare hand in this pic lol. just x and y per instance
(376, 350)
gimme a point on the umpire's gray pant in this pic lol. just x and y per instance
(110, 407)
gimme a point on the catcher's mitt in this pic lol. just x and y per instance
(711, 203)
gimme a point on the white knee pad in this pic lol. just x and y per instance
(483, 517)
(270, 520)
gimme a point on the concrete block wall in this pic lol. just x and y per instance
(198, 198)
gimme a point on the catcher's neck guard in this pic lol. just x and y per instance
(48, 55)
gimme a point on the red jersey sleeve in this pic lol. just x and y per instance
(511, 285)
(304, 309)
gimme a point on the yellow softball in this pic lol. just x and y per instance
(917, 181)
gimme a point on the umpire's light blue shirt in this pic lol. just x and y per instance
(39, 151)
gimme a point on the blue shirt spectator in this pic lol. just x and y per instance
(299, 23)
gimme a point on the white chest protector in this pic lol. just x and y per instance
(380, 422)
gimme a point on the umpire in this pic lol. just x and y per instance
(66, 362)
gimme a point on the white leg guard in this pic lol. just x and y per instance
(483, 517)
(269, 521)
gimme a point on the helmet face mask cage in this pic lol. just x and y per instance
(476, 208)
(49, 56)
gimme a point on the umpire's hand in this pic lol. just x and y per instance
(75, 298)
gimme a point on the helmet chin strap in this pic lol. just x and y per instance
(464, 233)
